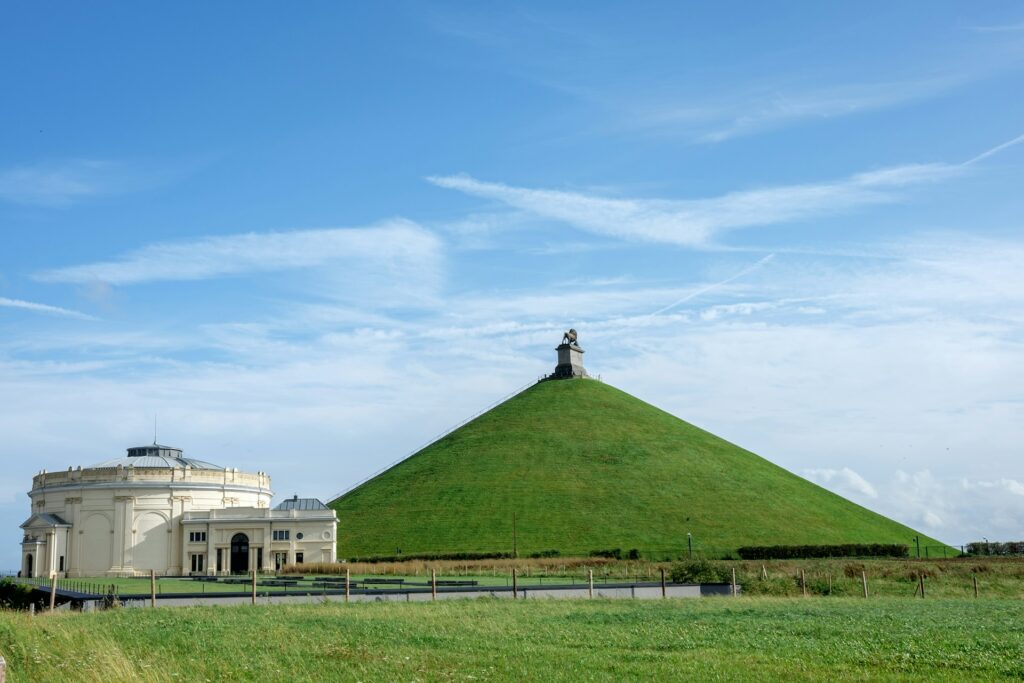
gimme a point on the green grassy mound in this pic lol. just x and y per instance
(577, 466)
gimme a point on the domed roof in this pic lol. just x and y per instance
(157, 456)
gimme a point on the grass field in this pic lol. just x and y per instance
(584, 466)
(725, 638)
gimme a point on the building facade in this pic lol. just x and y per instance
(156, 510)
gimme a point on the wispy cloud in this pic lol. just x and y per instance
(62, 183)
(763, 109)
(999, 28)
(43, 308)
(694, 222)
(394, 246)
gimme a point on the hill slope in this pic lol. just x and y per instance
(584, 466)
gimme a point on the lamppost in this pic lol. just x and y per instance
(689, 544)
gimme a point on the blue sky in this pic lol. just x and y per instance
(310, 238)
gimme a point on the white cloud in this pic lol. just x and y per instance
(694, 222)
(760, 111)
(844, 481)
(396, 246)
(43, 308)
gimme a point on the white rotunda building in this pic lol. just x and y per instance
(156, 510)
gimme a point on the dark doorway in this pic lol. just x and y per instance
(239, 554)
(28, 565)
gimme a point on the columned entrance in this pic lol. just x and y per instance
(239, 554)
(28, 565)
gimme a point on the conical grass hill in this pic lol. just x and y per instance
(576, 465)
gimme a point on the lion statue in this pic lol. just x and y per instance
(570, 338)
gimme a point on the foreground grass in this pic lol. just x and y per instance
(735, 639)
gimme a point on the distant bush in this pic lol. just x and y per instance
(545, 553)
(633, 554)
(788, 552)
(700, 571)
(433, 556)
(613, 553)
(15, 595)
(995, 548)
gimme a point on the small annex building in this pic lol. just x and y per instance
(156, 510)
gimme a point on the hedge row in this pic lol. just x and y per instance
(432, 556)
(616, 553)
(994, 548)
(787, 552)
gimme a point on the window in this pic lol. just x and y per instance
(283, 535)
(280, 560)
(198, 560)
(197, 537)
(220, 559)
(61, 563)
(299, 535)
(298, 558)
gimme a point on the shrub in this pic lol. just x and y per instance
(15, 595)
(545, 553)
(995, 548)
(633, 554)
(614, 553)
(431, 556)
(700, 571)
(787, 552)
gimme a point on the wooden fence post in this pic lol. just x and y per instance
(664, 592)
(590, 583)
(53, 592)
(433, 584)
(864, 580)
(254, 586)
(975, 586)
(348, 583)
(920, 580)
(152, 588)
(734, 593)
(515, 583)
(830, 583)
(803, 583)
(3, 670)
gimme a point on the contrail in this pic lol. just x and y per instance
(708, 288)
(995, 150)
(44, 308)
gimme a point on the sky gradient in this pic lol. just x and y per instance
(309, 239)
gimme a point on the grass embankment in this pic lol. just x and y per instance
(737, 639)
(583, 467)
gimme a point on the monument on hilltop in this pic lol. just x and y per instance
(570, 358)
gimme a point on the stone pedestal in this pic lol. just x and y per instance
(570, 362)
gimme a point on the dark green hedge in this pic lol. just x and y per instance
(995, 548)
(432, 556)
(15, 595)
(786, 552)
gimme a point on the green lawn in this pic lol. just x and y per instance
(583, 466)
(725, 638)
